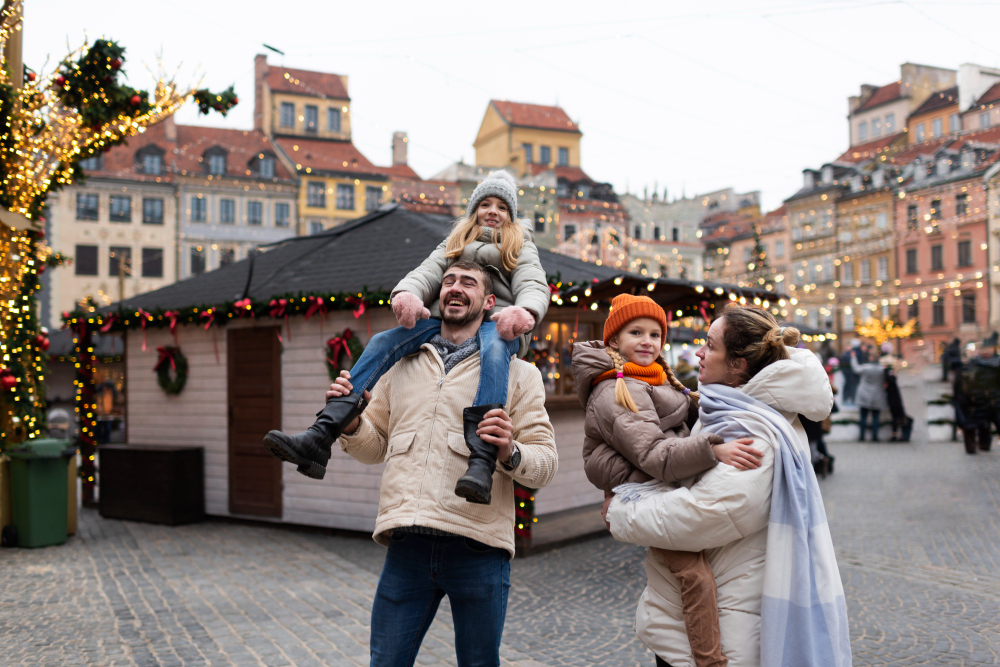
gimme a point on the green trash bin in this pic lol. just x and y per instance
(39, 491)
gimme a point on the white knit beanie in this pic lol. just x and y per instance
(498, 184)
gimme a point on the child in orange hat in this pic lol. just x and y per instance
(638, 428)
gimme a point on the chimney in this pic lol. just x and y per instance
(259, 72)
(399, 141)
(170, 129)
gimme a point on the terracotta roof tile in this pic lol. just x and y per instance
(119, 162)
(304, 82)
(887, 93)
(870, 150)
(991, 95)
(328, 156)
(572, 174)
(243, 146)
(401, 171)
(535, 115)
(936, 101)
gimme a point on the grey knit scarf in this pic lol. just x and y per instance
(452, 354)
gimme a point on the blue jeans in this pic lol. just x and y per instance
(419, 571)
(388, 347)
(863, 420)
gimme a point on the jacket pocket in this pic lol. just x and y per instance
(455, 465)
(393, 488)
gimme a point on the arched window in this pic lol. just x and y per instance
(149, 160)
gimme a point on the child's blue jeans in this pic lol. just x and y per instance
(388, 347)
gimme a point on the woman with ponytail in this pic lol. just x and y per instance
(638, 429)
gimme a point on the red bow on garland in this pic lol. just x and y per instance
(209, 316)
(143, 318)
(359, 305)
(172, 316)
(166, 354)
(703, 307)
(244, 306)
(108, 323)
(338, 344)
(317, 304)
(279, 308)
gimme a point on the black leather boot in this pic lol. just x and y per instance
(310, 450)
(477, 482)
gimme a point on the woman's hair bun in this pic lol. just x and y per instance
(788, 336)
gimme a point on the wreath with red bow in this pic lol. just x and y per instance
(341, 352)
(171, 359)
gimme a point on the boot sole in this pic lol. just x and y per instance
(273, 443)
(472, 492)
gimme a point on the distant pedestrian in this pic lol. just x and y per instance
(872, 399)
(847, 361)
(977, 397)
(638, 428)
(686, 372)
(951, 358)
(902, 423)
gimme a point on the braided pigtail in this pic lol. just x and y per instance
(676, 384)
(622, 395)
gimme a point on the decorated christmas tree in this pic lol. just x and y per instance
(759, 272)
(50, 123)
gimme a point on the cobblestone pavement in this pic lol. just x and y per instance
(915, 527)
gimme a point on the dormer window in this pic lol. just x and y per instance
(808, 180)
(827, 175)
(149, 160)
(878, 179)
(943, 166)
(968, 159)
(264, 166)
(919, 170)
(215, 161)
(856, 183)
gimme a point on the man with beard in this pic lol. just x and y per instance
(439, 543)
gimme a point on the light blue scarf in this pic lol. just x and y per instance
(803, 619)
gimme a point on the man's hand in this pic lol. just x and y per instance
(608, 497)
(739, 454)
(342, 387)
(497, 429)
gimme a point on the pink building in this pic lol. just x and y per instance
(941, 241)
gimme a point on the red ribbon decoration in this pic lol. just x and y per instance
(338, 344)
(317, 304)
(360, 310)
(166, 354)
(144, 317)
(243, 306)
(172, 316)
(108, 323)
(704, 313)
(208, 315)
(279, 308)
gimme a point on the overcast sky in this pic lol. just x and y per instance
(688, 95)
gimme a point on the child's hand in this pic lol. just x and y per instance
(513, 321)
(739, 454)
(408, 309)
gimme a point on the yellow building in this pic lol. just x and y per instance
(528, 137)
(308, 116)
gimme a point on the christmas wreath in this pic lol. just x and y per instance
(341, 353)
(171, 359)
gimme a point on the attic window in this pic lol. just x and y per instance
(265, 167)
(827, 175)
(215, 158)
(149, 160)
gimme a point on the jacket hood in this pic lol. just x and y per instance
(589, 361)
(794, 385)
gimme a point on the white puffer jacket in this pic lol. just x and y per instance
(724, 511)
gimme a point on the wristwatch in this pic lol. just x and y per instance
(514, 461)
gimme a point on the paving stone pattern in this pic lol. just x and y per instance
(915, 527)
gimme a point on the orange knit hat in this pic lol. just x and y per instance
(625, 308)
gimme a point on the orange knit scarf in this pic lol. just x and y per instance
(652, 374)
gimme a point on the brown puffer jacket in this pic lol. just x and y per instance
(623, 446)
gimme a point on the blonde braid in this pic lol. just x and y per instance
(677, 384)
(622, 395)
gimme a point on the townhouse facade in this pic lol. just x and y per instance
(662, 243)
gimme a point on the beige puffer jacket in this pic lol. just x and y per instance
(724, 513)
(526, 286)
(623, 446)
(414, 425)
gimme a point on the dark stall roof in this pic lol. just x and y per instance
(372, 253)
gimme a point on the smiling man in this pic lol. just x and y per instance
(440, 544)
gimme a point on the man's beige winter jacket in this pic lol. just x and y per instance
(414, 425)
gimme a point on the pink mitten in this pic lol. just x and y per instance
(513, 321)
(408, 309)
